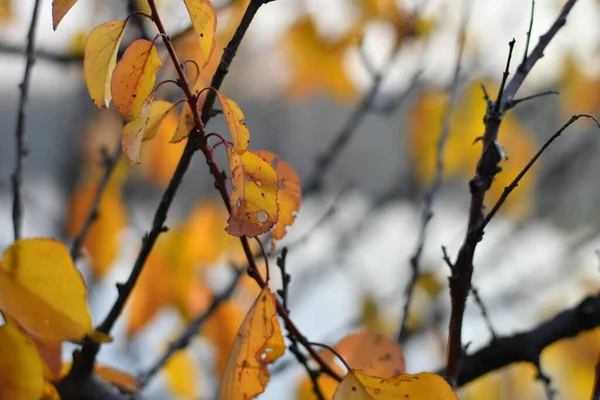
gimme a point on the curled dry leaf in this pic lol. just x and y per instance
(60, 8)
(204, 20)
(422, 386)
(100, 60)
(254, 208)
(134, 77)
(259, 342)
(288, 196)
(43, 291)
(21, 370)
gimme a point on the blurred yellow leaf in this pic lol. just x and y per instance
(422, 386)
(204, 20)
(461, 154)
(579, 92)
(134, 76)
(182, 376)
(6, 10)
(43, 291)
(153, 292)
(21, 371)
(133, 132)
(259, 342)
(103, 240)
(288, 196)
(100, 60)
(317, 65)
(117, 377)
(49, 392)
(59, 9)
(254, 208)
(515, 382)
(221, 329)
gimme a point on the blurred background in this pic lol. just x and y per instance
(375, 73)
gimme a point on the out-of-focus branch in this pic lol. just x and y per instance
(21, 147)
(427, 214)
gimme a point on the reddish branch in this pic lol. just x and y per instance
(487, 168)
(21, 149)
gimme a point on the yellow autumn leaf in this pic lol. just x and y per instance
(254, 208)
(134, 76)
(6, 10)
(288, 196)
(103, 240)
(133, 132)
(51, 354)
(59, 9)
(182, 376)
(317, 65)
(234, 116)
(204, 20)
(422, 386)
(185, 125)
(43, 291)
(259, 342)
(100, 60)
(21, 371)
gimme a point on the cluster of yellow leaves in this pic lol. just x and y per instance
(462, 153)
(43, 303)
(318, 63)
(377, 373)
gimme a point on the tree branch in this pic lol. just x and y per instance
(21, 147)
(487, 168)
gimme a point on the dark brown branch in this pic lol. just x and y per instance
(427, 214)
(110, 161)
(528, 346)
(191, 331)
(21, 147)
(487, 168)
(528, 40)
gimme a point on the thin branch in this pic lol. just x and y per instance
(427, 214)
(487, 168)
(191, 331)
(484, 313)
(527, 346)
(110, 161)
(514, 103)
(528, 40)
(507, 190)
(21, 147)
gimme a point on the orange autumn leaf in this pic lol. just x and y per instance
(204, 20)
(288, 196)
(182, 376)
(254, 208)
(21, 370)
(461, 153)
(51, 354)
(259, 342)
(134, 76)
(317, 65)
(100, 60)
(43, 291)
(221, 330)
(422, 386)
(185, 125)
(153, 292)
(103, 239)
(371, 353)
(117, 377)
(59, 9)
(234, 116)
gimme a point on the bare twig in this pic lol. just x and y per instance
(191, 331)
(515, 182)
(427, 214)
(483, 310)
(21, 147)
(487, 168)
(109, 161)
(528, 40)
